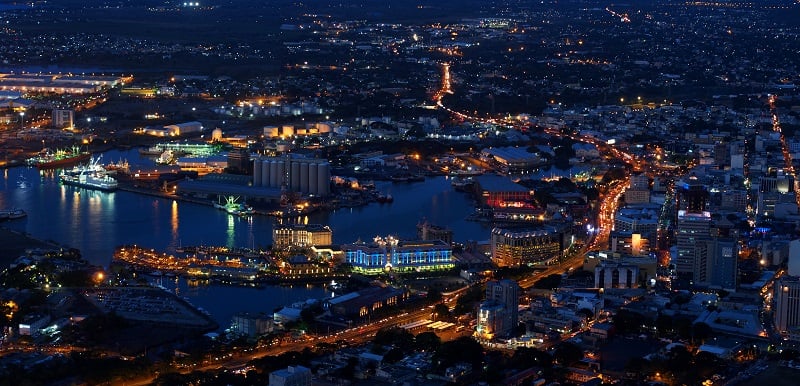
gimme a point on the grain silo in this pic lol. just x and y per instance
(257, 171)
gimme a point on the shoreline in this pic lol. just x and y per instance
(14, 243)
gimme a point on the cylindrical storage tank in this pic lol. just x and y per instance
(270, 131)
(324, 179)
(281, 172)
(264, 173)
(287, 131)
(257, 172)
(273, 174)
(312, 178)
(294, 176)
(304, 177)
(323, 128)
(216, 135)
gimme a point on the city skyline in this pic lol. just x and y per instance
(245, 193)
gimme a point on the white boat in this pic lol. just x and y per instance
(11, 214)
(232, 206)
(91, 176)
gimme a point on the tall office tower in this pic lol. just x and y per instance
(239, 161)
(63, 118)
(639, 189)
(640, 181)
(722, 155)
(693, 231)
(794, 258)
(499, 313)
(774, 189)
(787, 303)
(723, 254)
(691, 196)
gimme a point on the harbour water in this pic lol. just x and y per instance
(97, 222)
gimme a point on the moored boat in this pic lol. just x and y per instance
(91, 176)
(232, 206)
(47, 159)
(12, 213)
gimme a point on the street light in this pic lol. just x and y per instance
(22, 120)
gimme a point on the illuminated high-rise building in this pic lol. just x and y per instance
(693, 231)
(499, 313)
(691, 196)
(787, 304)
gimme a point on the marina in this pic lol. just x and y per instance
(69, 217)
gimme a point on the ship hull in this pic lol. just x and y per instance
(64, 162)
(89, 185)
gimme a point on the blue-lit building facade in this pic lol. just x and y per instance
(390, 254)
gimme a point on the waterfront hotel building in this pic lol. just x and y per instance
(390, 254)
(517, 247)
(301, 235)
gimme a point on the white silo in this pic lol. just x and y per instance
(281, 172)
(273, 174)
(294, 176)
(312, 177)
(264, 173)
(216, 135)
(324, 179)
(304, 177)
(257, 172)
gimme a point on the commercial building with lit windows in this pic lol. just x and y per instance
(301, 235)
(516, 247)
(787, 304)
(390, 254)
(498, 315)
(500, 192)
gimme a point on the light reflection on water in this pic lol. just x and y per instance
(97, 222)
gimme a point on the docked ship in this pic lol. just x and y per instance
(11, 214)
(47, 159)
(232, 206)
(91, 176)
(462, 184)
(384, 199)
(152, 150)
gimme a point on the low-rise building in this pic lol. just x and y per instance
(300, 235)
(291, 376)
(363, 303)
(251, 325)
(392, 254)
